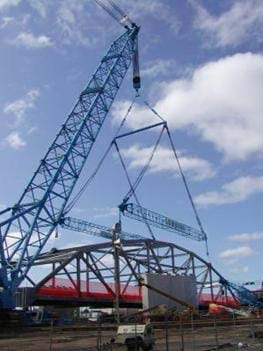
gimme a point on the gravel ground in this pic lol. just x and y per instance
(83, 338)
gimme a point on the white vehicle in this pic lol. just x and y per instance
(136, 336)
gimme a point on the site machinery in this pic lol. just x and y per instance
(26, 227)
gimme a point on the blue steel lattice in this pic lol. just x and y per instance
(26, 227)
(142, 214)
(98, 230)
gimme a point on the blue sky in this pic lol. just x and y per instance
(202, 69)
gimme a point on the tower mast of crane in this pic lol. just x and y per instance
(26, 227)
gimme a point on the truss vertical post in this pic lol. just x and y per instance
(116, 246)
(87, 274)
(78, 276)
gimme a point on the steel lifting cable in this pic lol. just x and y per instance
(108, 10)
(138, 180)
(145, 168)
(131, 185)
(118, 9)
(188, 190)
(182, 175)
(142, 173)
(100, 163)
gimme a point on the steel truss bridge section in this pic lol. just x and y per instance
(86, 275)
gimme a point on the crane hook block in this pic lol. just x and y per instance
(136, 82)
(136, 68)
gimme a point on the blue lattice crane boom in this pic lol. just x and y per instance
(158, 220)
(244, 295)
(94, 229)
(26, 227)
(121, 17)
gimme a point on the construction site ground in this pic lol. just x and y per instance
(169, 336)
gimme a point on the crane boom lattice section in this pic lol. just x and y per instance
(98, 230)
(142, 214)
(27, 226)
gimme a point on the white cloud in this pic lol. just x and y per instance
(239, 270)
(164, 161)
(30, 41)
(158, 68)
(221, 102)
(19, 107)
(32, 130)
(6, 4)
(6, 21)
(157, 9)
(41, 6)
(236, 191)
(105, 212)
(72, 19)
(107, 260)
(21, 21)
(246, 237)
(242, 251)
(15, 141)
(234, 26)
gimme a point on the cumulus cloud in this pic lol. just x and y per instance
(30, 41)
(41, 6)
(19, 108)
(238, 190)
(242, 251)
(238, 24)
(157, 68)
(164, 161)
(72, 20)
(157, 9)
(106, 212)
(239, 270)
(246, 237)
(221, 102)
(6, 4)
(6, 21)
(15, 141)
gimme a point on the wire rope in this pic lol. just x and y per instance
(101, 161)
(183, 176)
(130, 183)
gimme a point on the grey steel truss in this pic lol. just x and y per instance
(83, 266)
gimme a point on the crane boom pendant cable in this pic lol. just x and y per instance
(145, 168)
(134, 185)
(130, 183)
(101, 161)
(182, 175)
